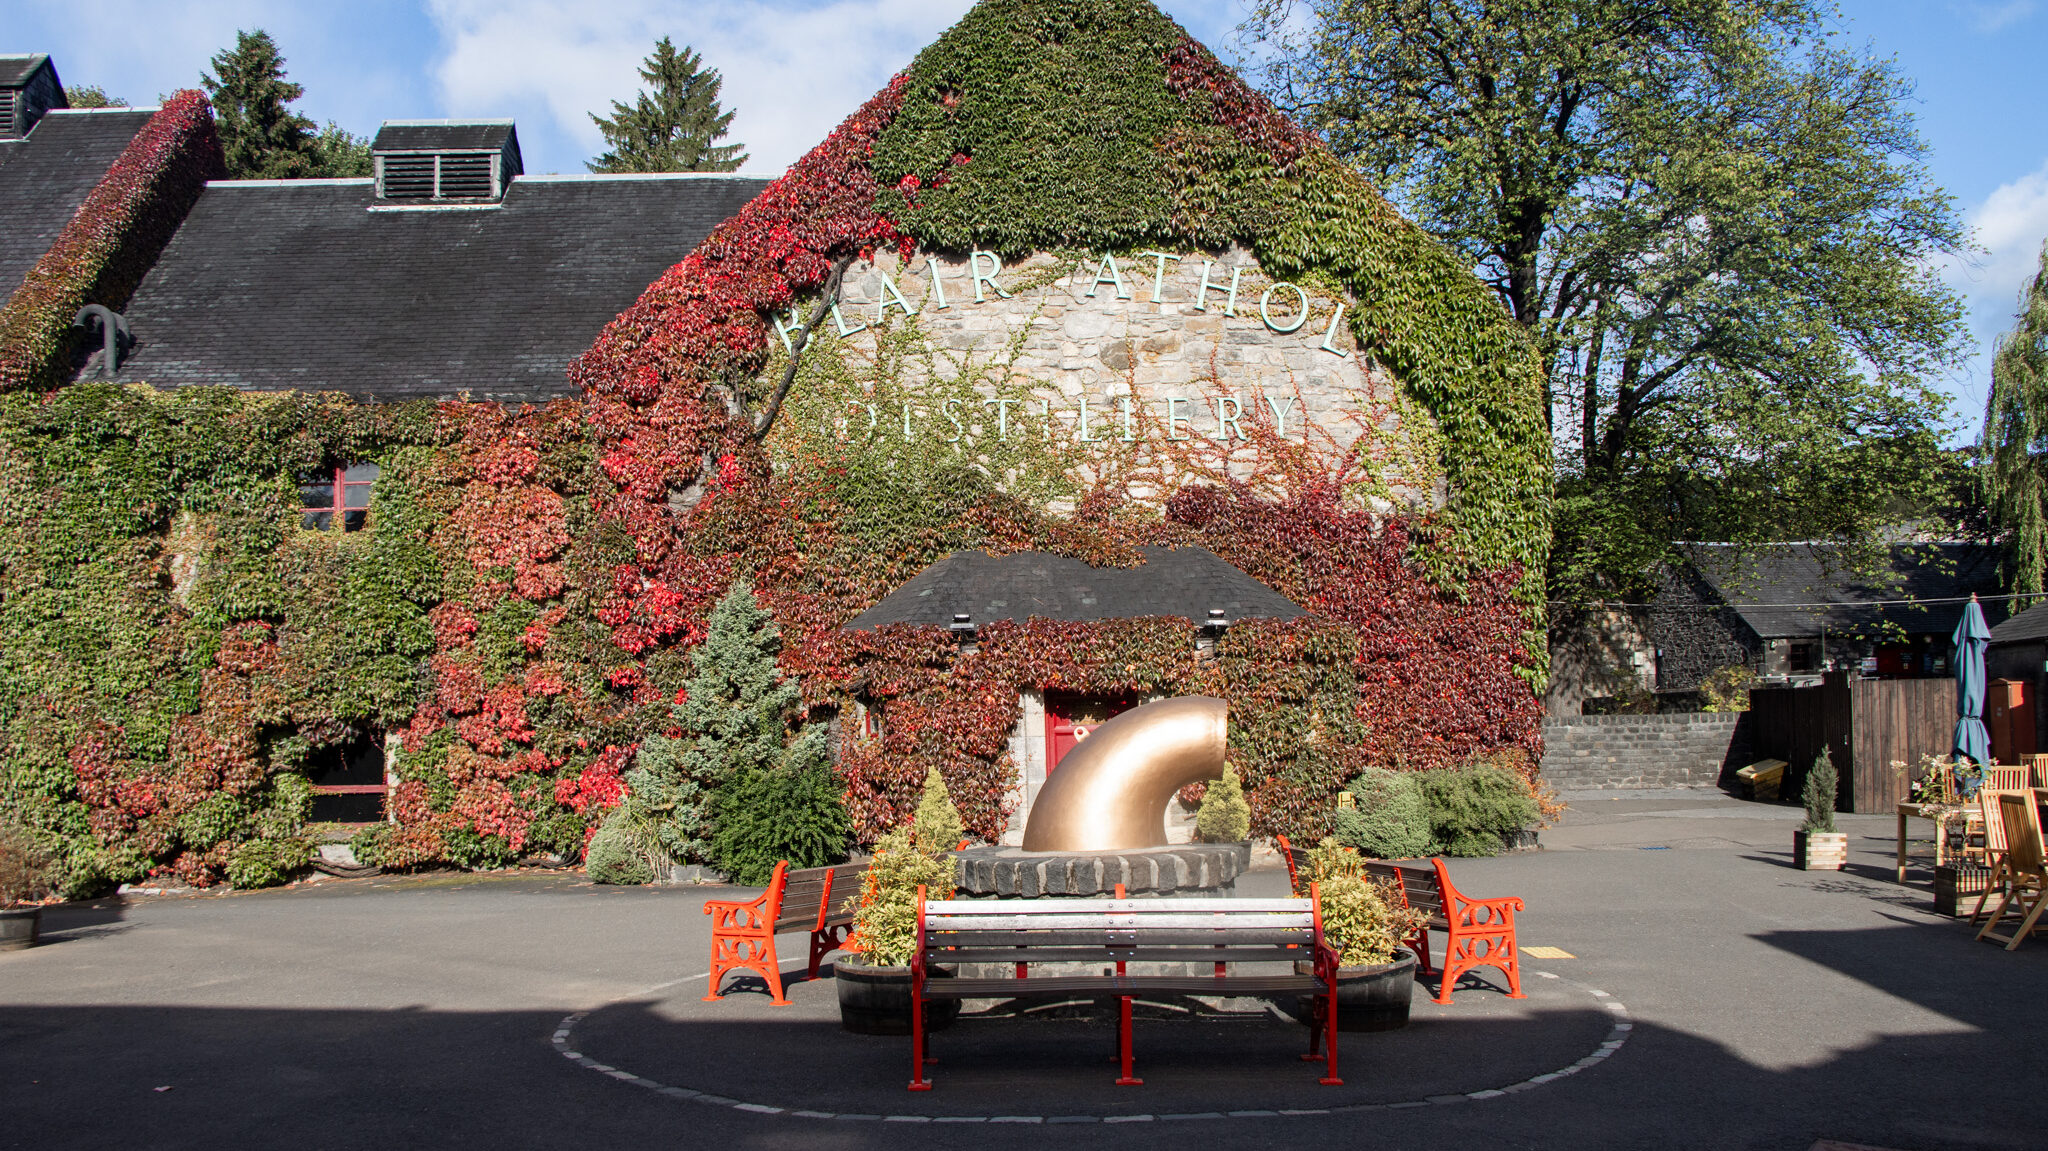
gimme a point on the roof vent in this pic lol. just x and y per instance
(28, 88)
(444, 161)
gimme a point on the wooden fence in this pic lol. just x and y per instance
(1866, 724)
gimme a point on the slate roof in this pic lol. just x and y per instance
(442, 135)
(1773, 587)
(298, 284)
(45, 176)
(1172, 581)
(2029, 625)
(15, 70)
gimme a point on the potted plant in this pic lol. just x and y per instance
(24, 884)
(1817, 845)
(874, 982)
(1366, 922)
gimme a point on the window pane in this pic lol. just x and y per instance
(355, 495)
(353, 520)
(316, 490)
(317, 521)
(359, 474)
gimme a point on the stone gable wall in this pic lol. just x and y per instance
(1606, 752)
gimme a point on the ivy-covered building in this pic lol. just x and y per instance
(439, 474)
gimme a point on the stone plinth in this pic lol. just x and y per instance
(1186, 869)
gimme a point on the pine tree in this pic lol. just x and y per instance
(674, 128)
(263, 139)
(772, 796)
(2016, 437)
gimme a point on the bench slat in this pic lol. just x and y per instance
(1103, 985)
(1106, 922)
(1098, 906)
(1149, 937)
(1254, 954)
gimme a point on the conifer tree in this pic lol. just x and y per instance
(676, 126)
(937, 828)
(262, 138)
(772, 796)
(2016, 437)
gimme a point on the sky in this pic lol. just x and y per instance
(794, 68)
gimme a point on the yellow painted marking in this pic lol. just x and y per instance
(1547, 953)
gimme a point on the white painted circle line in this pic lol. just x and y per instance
(1617, 1035)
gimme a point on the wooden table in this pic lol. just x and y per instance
(1941, 814)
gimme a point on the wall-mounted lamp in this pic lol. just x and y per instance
(1216, 624)
(962, 627)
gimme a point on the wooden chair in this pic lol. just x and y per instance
(1997, 778)
(2037, 770)
(2025, 865)
(1994, 847)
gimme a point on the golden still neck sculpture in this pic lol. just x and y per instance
(1110, 792)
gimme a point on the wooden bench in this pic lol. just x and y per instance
(819, 900)
(1121, 931)
(1477, 932)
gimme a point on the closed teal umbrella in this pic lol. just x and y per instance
(1971, 638)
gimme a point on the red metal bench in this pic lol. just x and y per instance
(1190, 933)
(819, 900)
(1478, 932)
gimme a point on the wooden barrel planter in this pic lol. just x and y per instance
(19, 927)
(1371, 998)
(876, 1000)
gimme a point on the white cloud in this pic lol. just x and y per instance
(790, 74)
(1988, 18)
(2009, 225)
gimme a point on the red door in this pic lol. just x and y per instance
(1070, 716)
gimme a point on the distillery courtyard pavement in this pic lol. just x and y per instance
(1687, 987)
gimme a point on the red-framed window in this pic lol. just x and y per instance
(348, 781)
(337, 497)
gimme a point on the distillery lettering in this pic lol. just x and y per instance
(1180, 416)
(1290, 301)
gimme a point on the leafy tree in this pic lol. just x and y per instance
(1715, 223)
(92, 96)
(772, 797)
(675, 127)
(264, 139)
(2015, 443)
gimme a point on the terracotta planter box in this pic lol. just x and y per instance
(1820, 850)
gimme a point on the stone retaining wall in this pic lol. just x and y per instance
(1595, 752)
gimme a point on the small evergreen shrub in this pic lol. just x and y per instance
(1224, 816)
(1472, 808)
(937, 828)
(267, 862)
(1819, 794)
(1391, 819)
(885, 925)
(1363, 919)
(615, 855)
(791, 813)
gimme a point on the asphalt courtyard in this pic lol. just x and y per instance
(1701, 993)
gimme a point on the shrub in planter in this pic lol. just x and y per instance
(1366, 922)
(1474, 807)
(1391, 819)
(936, 829)
(874, 990)
(1224, 816)
(1818, 846)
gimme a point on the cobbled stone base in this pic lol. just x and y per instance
(1182, 869)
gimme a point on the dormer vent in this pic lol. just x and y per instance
(28, 88)
(426, 162)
